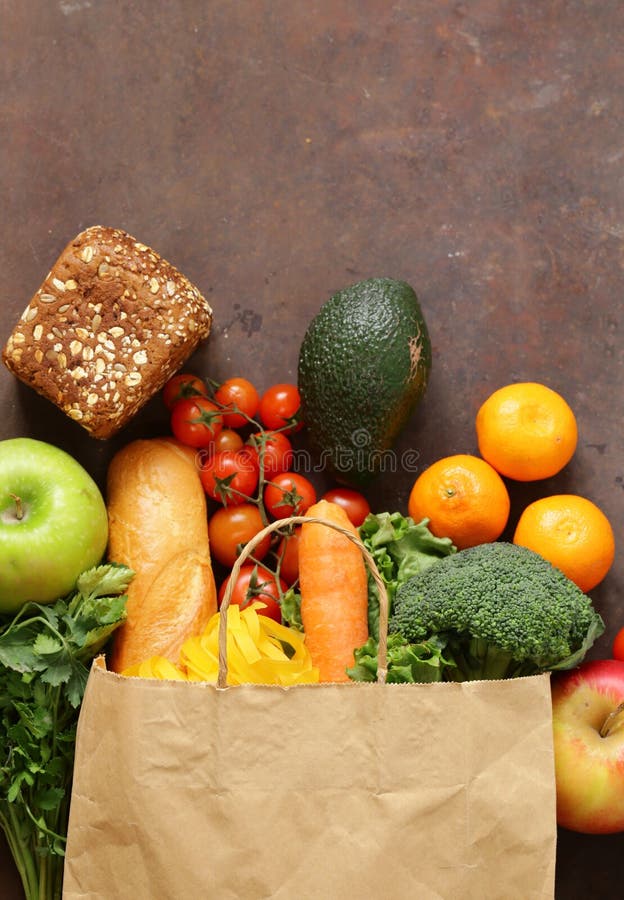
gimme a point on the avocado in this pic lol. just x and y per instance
(364, 364)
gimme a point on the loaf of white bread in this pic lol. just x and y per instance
(108, 327)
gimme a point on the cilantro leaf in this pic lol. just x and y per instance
(47, 645)
(105, 580)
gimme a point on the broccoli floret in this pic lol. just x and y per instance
(502, 610)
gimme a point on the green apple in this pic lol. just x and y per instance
(53, 522)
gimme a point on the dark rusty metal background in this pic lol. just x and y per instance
(276, 151)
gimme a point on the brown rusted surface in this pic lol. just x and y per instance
(276, 152)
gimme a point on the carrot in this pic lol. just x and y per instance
(334, 593)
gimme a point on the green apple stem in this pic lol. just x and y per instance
(613, 721)
(19, 509)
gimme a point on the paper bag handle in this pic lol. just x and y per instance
(279, 524)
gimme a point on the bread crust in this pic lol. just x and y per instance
(108, 327)
(158, 527)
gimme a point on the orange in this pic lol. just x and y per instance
(572, 533)
(526, 431)
(464, 499)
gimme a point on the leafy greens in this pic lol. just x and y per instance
(45, 652)
(413, 663)
(401, 548)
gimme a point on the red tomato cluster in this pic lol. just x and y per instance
(246, 459)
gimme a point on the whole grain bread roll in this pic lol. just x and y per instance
(110, 324)
(158, 527)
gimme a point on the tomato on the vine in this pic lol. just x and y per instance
(618, 645)
(280, 406)
(240, 396)
(288, 494)
(183, 386)
(196, 421)
(231, 527)
(231, 477)
(354, 504)
(227, 439)
(256, 583)
(288, 556)
(275, 451)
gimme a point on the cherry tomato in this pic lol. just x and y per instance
(231, 527)
(618, 645)
(240, 395)
(182, 387)
(227, 439)
(275, 451)
(196, 421)
(280, 405)
(231, 477)
(288, 555)
(256, 583)
(288, 494)
(354, 504)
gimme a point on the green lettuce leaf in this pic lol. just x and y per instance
(290, 603)
(413, 663)
(401, 548)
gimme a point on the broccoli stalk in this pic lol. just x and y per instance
(477, 659)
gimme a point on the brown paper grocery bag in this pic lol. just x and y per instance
(191, 791)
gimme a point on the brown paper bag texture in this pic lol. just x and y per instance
(185, 791)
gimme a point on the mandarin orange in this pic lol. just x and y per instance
(572, 533)
(526, 431)
(464, 499)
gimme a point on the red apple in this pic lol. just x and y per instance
(588, 728)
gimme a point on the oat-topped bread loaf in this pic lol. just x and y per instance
(109, 325)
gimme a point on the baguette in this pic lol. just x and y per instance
(158, 527)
